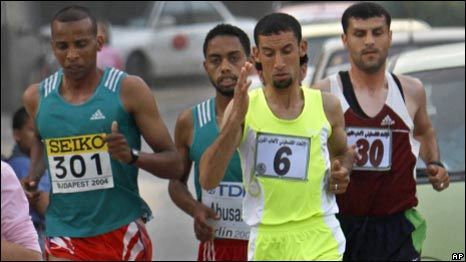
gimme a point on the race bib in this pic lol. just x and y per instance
(226, 200)
(283, 157)
(374, 147)
(79, 163)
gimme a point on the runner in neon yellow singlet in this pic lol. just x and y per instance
(293, 152)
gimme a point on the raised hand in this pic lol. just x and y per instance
(241, 97)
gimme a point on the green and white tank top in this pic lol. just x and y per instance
(226, 199)
(91, 193)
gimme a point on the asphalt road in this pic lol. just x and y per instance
(171, 230)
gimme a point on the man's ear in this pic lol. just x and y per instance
(16, 135)
(390, 36)
(255, 54)
(205, 65)
(303, 47)
(255, 58)
(344, 40)
(100, 42)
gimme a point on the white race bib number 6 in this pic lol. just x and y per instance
(280, 156)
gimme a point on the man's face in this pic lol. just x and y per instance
(368, 42)
(279, 55)
(224, 58)
(24, 136)
(75, 46)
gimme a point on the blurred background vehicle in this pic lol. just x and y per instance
(169, 44)
(334, 57)
(314, 12)
(441, 70)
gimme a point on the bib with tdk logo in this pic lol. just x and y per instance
(226, 199)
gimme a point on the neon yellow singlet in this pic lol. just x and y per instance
(286, 166)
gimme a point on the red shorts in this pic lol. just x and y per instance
(129, 242)
(223, 250)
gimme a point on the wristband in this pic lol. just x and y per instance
(437, 163)
(134, 156)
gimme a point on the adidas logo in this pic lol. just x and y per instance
(97, 115)
(387, 121)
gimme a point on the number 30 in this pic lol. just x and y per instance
(372, 152)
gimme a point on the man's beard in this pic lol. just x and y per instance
(282, 84)
(370, 67)
(223, 91)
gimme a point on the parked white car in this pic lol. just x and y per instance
(317, 12)
(441, 70)
(170, 44)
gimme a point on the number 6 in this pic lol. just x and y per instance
(278, 160)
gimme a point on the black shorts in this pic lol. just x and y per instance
(394, 237)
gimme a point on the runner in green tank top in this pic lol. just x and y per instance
(226, 49)
(89, 123)
(293, 152)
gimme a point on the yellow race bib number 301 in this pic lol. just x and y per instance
(79, 163)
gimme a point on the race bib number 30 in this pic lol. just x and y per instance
(374, 147)
(79, 163)
(280, 156)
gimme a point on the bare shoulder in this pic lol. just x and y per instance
(184, 128)
(330, 101)
(135, 92)
(412, 87)
(31, 93)
(31, 99)
(332, 108)
(323, 85)
(133, 83)
(185, 120)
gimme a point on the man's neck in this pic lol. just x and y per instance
(286, 97)
(86, 84)
(221, 103)
(365, 80)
